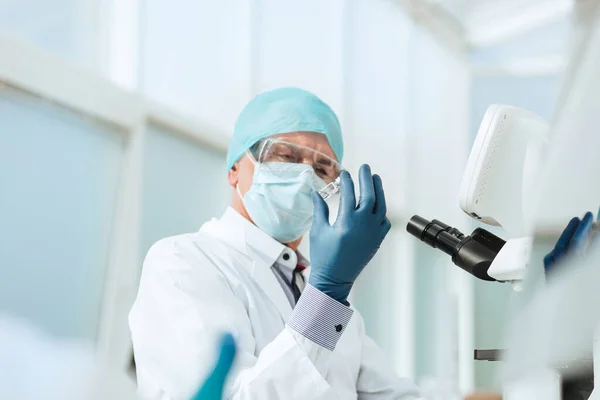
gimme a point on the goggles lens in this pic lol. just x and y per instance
(279, 151)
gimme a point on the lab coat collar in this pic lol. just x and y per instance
(265, 251)
(254, 240)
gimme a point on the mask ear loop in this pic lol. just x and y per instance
(253, 161)
(251, 157)
(237, 189)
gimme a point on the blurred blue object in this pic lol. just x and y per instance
(340, 252)
(284, 110)
(573, 241)
(212, 389)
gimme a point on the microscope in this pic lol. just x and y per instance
(501, 169)
(502, 165)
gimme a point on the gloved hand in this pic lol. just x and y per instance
(339, 252)
(573, 241)
(212, 389)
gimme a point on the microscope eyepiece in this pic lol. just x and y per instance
(473, 253)
(417, 226)
(435, 233)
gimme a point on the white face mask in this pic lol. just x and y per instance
(279, 200)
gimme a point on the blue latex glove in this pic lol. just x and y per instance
(339, 252)
(212, 389)
(573, 241)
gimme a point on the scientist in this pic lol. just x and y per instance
(297, 336)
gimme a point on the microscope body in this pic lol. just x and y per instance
(501, 169)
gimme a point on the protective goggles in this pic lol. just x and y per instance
(273, 150)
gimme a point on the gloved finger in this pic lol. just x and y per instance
(226, 357)
(386, 225)
(582, 234)
(213, 385)
(321, 209)
(563, 241)
(549, 262)
(347, 197)
(367, 189)
(380, 205)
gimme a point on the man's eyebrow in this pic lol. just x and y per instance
(324, 160)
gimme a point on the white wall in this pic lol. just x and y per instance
(438, 137)
(300, 44)
(59, 177)
(196, 57)
(377, 93)
(184, 185)
(70, 28)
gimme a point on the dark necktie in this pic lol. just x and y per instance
(298, 282)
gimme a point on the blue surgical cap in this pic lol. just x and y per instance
(283, 110)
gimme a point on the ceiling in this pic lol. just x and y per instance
(489, 22)
(527, 37)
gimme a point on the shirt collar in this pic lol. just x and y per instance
(249, 239)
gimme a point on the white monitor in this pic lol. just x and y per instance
(502, 166)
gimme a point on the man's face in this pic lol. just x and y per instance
(242, 173)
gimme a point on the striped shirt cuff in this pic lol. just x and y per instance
(320, 318)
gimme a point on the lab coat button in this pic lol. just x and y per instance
(286, 256)
(338, 328)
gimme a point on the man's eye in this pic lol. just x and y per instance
(287, 157)
(322, 173)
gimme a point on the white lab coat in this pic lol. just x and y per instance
(220, 278)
